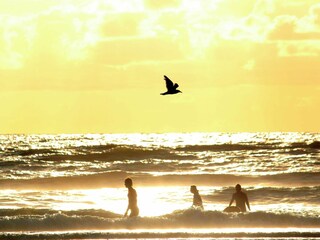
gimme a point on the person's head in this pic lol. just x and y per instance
(193, 189)
(128, 182)
(238, 187)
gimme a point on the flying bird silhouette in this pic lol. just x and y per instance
(171, 88)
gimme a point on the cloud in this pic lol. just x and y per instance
(296, 36)
(52, 34)
(298, 49)
(284, 29)
(124, 51)
(315, 13)
(155, 4)
(65, 45)
(15, 42)
(244, 62)
(269, 20)
(287, 28)
(122, 25)
(64, 31)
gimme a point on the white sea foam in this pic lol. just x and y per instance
(179, 219)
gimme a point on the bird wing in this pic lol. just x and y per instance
(169, 83)
(175, 86)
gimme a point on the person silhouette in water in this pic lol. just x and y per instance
(132, 199)
(241, 199)
(197, 201)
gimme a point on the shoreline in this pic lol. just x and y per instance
(269, 233)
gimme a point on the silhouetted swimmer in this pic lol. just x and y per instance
(197, 201)
(171, 88)
(241, 199)
(132, 199)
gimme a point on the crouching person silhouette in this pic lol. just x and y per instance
(241, 199)
(197, 201)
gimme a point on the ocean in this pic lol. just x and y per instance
(71, 186)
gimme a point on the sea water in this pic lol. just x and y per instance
(72, 186)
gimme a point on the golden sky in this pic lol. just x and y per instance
(97, 66)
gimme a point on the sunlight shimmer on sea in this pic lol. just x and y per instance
(71, 182)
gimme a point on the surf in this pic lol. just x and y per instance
(42, 220)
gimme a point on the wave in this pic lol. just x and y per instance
(190, 218)
(265, 195)
(315, 145)
(170, 234)
(113, 152)
(30, 152)
(250, 146)
(115, 179)
(46, 212)
(124, 151)
(225, 147)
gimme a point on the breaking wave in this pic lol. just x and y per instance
(265, 195)
(115, 179)
(191, 218)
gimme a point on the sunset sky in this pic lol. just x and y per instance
(97, 66)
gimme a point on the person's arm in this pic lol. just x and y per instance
(193, 201)
(247, 202)
(232, 199)
(200, 200)
(126, 213)
(201, 203)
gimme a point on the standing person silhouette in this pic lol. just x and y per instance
(241, 199)
(132, 199)
(197, 201)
